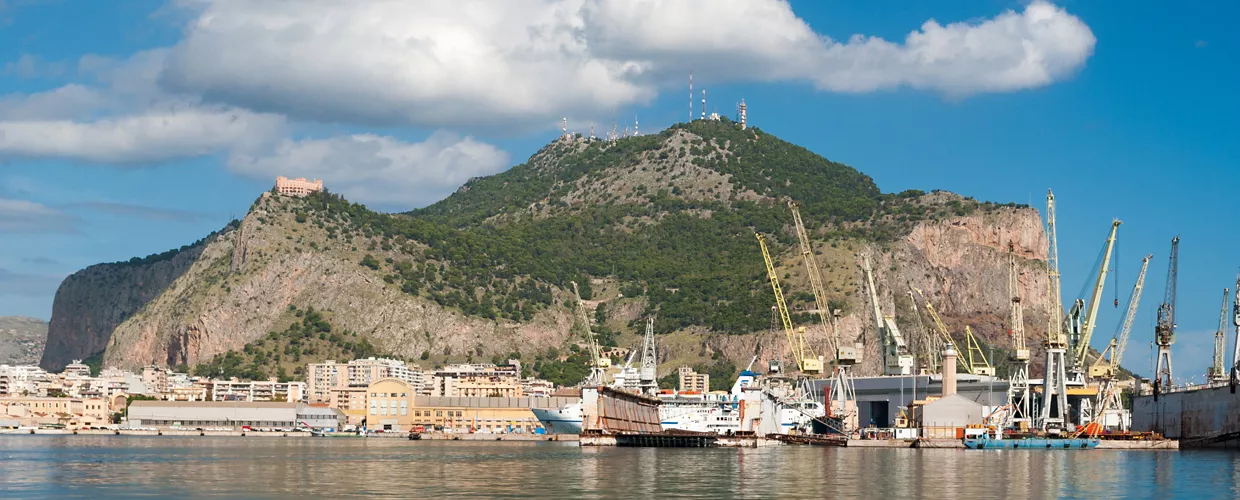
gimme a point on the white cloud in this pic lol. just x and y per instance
(152, 136)
(22, 216)
(378, 169)
(495, 63)
(65, 102)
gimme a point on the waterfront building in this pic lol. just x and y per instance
(392, 405)
(475, 380)
(21, 380)
(691, 381)
(155, 379)
(76, 369)
(536, 387)
(73, 413)
(231, 414)
(880, 400)
(323, 379)
(297, 187)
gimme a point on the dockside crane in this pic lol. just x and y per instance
(1083, 329)
(648, 376)
(896, 359)
(1235, 355)
(1106, 369)
(808, 362)
(843, 392)
(1217, 374)
(1164, 330)
(928, 347)
(974, 361)
(598, 364)
(1018, 388)
(1055, 379)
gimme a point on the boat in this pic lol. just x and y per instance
(563, 420)
(1033, 443)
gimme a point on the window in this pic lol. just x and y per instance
(438, 413)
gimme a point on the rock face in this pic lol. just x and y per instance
(91, 303)
(21, 339)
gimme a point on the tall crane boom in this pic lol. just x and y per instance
(648, 376)
(815, 281)
(598, 364)
(802, 353)
(1016, 316)
(1164, 330)
(974, 362)
(897, 361)
(1217, 373)
(1235, 355)
(1055, 380)
(1107, 367)
(1095, 299)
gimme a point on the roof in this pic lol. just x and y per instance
(211, 404)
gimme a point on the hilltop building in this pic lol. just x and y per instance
(297, 187)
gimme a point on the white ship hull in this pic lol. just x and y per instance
(564, 420)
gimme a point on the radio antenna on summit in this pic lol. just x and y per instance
(690, 95)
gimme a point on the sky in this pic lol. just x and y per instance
(128, 128)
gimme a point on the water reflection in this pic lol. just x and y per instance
(104, 467)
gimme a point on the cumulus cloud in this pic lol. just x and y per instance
(137, 139)
(479, 62)
(22, 216)
(378, 169)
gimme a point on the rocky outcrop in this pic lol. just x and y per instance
(21, 339)
(91, 303)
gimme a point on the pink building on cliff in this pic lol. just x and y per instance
(297, 187)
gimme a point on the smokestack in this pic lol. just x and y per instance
(949, 371)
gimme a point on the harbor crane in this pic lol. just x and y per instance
(648, 376)
(1019, 394)
(928, 348)
(1164, 330)
(896, 359)
(1106, 368)
(974, 361)
(842, 389)
(598, 363)
(1054, 381)
(1083, 329)
(1235, 355)
(808, 362)
(1217, 374)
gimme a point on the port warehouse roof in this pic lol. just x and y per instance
(223, 411)
(485, 402)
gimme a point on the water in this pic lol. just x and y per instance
(103, 467)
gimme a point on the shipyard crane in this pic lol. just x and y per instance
(1083, 330)
(1106, 369)
(1235, 355)
(974, 361)
(1217, 374)
(896, 359)
(843, 391)
(928, 348)
(1164, 329)
(648, 376)
(802, 353)
(1018, 388)
(598, 364)
(1055, 380)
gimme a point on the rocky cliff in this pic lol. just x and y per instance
(659, 225)
(21, 339)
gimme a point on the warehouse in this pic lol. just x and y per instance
(230, 414)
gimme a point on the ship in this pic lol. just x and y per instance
(563, 420)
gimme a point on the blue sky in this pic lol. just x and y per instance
(133, 127)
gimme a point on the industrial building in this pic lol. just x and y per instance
(230, 414)
(881, 399)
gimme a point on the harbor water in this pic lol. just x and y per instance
(104, 467)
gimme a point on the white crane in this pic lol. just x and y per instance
(1217, 373)
(598, 364)
(896, 360)
(649, 383)
(1106, 369)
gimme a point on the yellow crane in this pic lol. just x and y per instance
(802, 353)
(1084, 330)
(598, 363)
(1217, 373)
(1106, 368)
(1019, 394)
(842, 355)
(974, 360)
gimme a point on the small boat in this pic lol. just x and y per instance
(987, 443)
(415, 436)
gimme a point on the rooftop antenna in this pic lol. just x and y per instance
(636, 124)
(743, 114)
(626, 130)
(564, 127)
(690, 95)
(591, 131)
(703, 104)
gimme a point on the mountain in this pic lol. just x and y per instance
(21, 339)
(658, 225)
